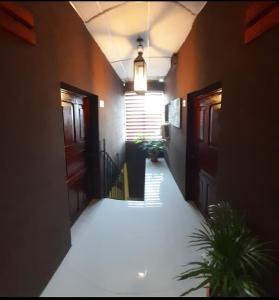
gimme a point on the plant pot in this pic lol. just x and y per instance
(153, 157)
(208, 292)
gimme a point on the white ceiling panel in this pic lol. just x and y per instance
(89, 9)
(110, 4)
(115, 26)
(128, 19)
(85, 9)
(170, 25)
(158, 67)
(123, 69)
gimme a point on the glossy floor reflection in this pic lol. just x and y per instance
(120, 250)
(152, 186)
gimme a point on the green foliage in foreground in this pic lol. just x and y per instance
(234, 259)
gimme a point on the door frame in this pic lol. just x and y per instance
(92, 142)
(210, 89)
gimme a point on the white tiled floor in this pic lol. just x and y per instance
(131, 248)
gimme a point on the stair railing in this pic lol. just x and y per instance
(113, 177)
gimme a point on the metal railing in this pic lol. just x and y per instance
(113, 177)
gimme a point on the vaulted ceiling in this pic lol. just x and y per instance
(116, 25)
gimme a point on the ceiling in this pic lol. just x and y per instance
(116, 25)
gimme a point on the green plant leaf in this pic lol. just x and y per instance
(234, 257)
(204, 283)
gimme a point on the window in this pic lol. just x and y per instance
(144, 115)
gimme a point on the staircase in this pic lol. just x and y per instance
(114, 178)
(116, 182)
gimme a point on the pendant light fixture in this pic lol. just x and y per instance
(140, 71)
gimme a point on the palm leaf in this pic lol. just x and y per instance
(235, 258)
(204, 283)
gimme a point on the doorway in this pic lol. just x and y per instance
(204, 108)
(81, 141)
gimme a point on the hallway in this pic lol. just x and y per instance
(131, 248)
(201, 75)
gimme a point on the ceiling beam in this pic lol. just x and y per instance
(105, 11)
(185, 7)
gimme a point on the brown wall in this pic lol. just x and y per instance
(248, 161)
(35, 233)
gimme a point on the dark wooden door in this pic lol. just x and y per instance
(73, 111)
(206, 128)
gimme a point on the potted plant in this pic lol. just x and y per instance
(153, 147)
(233, 260)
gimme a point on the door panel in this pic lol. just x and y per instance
(214, 125)
(75, 159)
(81, 128)
(207, 191)
(204, 148)
(68, 118)
(75, 152)
(202, 123)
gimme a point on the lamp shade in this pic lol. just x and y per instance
(140, 73)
